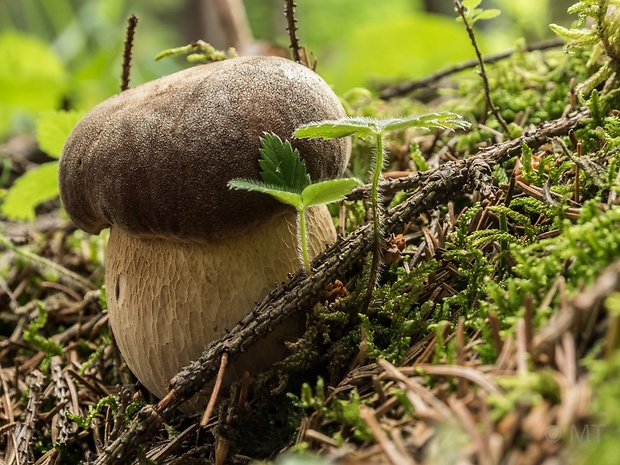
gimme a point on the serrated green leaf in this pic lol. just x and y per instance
(281, 165)
(328, 191)
(34, 187)
(442, 120)
(335, 129)
(284, 196)
(53, 128)
(362, 127)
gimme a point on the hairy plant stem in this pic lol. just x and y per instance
(302, 232)
(376, 224)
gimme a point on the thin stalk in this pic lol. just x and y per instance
(483, 74)
(376, 224)
(302, 232)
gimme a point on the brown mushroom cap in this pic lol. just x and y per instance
(155, 159)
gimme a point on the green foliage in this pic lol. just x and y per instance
(529, 388)
(31, 334)
(281, 169)
(285, 178)
(474, 14)
(96, 355)
(605, 382)
(53, 128)
(40, 184)
(32, 79)
(342, 411)
(85, 422)
(530, 84)
(598, 38)
(388, 48)
(576, 256)
(416, 156)
(395, 315)
(363, 127)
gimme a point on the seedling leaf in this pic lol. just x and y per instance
(328, 191)
(334, 129)
(441, 120)
(284, 196)
(281, 165)
(363, 127)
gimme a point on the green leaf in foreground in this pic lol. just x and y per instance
(363, 127)
(282, 165)
(53, 128)
(378, 128)
(34, 187)
(285, 178)
(332, 190)
(284, 196)
(334, 129)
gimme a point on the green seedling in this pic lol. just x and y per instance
(377, 129)
(285, 178)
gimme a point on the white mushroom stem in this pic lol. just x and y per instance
(169, 299)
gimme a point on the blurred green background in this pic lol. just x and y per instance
(67, 53)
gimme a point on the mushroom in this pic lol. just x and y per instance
(188, 258)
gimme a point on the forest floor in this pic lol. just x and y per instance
(491, 337)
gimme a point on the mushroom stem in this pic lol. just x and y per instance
(168, 299)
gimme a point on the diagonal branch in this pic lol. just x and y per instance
(300, 291)
(403, 88)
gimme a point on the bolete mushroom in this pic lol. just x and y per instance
(188, 258)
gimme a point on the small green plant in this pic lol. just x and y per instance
(32, 336)
(285, 178)
(472, 13)
(345, 411)
(40, 184)
(377, 129)
(85, 422)
(601, 38)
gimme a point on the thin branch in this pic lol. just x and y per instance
(404, 88)
(300, 292)
(291, 27)
(132, 22)
(483, 73)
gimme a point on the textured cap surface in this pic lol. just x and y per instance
(155, 159)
